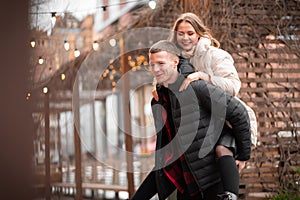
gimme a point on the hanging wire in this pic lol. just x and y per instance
(103, 7)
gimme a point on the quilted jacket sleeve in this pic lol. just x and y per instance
(224, 73)
(219, 64)
(229, 109)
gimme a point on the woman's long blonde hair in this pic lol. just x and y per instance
(197, 24)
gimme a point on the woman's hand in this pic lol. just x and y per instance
(155, 95)
(240, 164)
(193, 77)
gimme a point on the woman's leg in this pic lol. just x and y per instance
(212, 192)
(229, 171)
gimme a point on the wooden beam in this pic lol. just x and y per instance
(127, 122)
(47, 147)
(77, 143)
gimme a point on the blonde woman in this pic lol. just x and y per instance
(216, 66)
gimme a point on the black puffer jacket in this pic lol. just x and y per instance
(199, 115)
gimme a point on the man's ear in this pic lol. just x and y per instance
(176, 60)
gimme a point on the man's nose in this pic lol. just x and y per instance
(155, 68)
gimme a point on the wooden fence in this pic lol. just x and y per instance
(264, 41)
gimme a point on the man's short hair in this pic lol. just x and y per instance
(164, 45)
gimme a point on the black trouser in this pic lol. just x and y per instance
(148, 188)
(209, 194)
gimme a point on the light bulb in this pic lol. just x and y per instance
(28, 95)
(53, 18)
(152, 4)
(32, 43)
(76, 53)
(66, 45)
(63, 76)
(112, 42)
(95, 45)
(41, 60)
(45, 90)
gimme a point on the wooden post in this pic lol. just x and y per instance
(47, 147)
(59, 145)
(94, 137)
(127, 122)
(77, 142)
(103, 123)
(141, 97)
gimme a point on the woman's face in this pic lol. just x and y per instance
(186, 36)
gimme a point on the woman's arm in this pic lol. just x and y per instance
(224, 74)
(215, 66)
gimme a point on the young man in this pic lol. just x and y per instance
(189, 124)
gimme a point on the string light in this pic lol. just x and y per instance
(54, 14)
(112, 42)
(95, 45)
(66, 45)
(76, 53)
(63, 76)
(32, 43)
(103, 7)
(152, 4)
(53, 18)
(45, 90)
(41, 60)
(28, 95)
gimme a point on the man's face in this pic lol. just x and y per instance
(164, 67)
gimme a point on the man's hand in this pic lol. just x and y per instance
(193, 77)
(240, 164)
